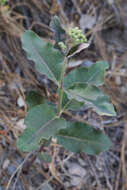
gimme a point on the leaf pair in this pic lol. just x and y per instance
(77, 137)
(42, 124)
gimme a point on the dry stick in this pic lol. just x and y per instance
(18, 168)
(40, 186)
(27, 166)
(76, 118)
(76, 5)
(118, 177)
(123, 162)
(94, 171)
(14, 185)
(107, 178)
(53, 168)
(61, 9)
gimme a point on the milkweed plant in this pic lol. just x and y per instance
(77, 86)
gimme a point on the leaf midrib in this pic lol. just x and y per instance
(92, 77)
(76, 138)
(39, 131)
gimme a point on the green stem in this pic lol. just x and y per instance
(61, 86)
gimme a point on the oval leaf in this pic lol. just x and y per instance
(70, 104)
(47, 59)
(92, 75)
(79, 137)
(59, 32)
(102, 106)
(82, 92)
(41, 124)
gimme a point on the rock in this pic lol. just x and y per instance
(6, 164)
(21, 125)
(77, 173)
(20, 101)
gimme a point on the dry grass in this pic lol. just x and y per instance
(16, 75)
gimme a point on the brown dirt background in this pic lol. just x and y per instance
(105, 22)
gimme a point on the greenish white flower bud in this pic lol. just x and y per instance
(76, 35)
(62, 46)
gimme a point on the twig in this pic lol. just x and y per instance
(29, 163)
(18, 168)
(123, 162)
(94, 171)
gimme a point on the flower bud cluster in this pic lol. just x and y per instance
(76, 36)
(62, 46)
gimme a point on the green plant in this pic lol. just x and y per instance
(2, 2)
(76, 86)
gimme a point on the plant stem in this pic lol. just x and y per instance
(60, 98)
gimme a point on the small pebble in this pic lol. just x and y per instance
(20, 124)
(20, 101)
(6, 164)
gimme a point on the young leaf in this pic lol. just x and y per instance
(47, 59)
(41, 124)
(59, 32)
(79, 137)
(102, 106)
(33, 98)
(82, 92)
(93, 75)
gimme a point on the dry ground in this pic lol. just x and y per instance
(105, 22)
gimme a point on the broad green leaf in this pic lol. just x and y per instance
(82, 92)
(33, 98)
(71, 104)
(47, 59)
(3, 2)
(93, 75)
(41, 124)
(74, 105)
(93, 97)
(102, 106)
(79, 137)
(59, 32)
